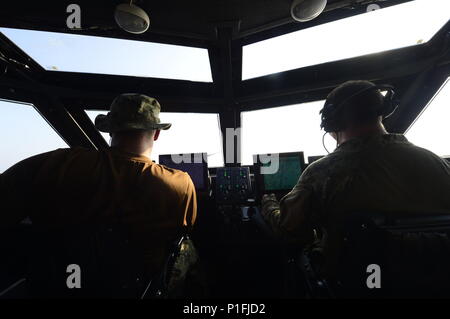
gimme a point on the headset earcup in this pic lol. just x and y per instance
(332, 116)
(330, 120)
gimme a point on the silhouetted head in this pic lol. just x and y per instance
(353, 109)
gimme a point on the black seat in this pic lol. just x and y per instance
(413, 253)
(14, 261)
(111, 267)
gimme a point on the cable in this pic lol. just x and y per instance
(323, 143)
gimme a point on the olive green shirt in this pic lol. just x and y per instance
(384, 173)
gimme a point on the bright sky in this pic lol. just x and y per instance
(77, 53)
(390, 28)
(24, 133)
(190, 133)
(283, 129)
(430, 130)
(292, 128)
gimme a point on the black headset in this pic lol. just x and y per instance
(331, 114)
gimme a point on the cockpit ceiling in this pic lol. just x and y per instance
(338, 40)
(221, 29)
(196, 20)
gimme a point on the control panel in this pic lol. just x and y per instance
(232, 185)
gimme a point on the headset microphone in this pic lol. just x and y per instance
(323, 142)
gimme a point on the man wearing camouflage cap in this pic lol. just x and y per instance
(130, 112)
(79, 186)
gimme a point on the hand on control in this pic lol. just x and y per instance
(268, 198)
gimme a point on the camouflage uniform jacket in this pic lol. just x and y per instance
(386, 174)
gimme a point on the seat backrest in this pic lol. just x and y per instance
(412, 252)
(13, 261)
(108, 265)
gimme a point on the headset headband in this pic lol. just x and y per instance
(330, 113)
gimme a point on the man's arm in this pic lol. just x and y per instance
(189, 204)
(187, 260)
(16, 189)
(292, 218)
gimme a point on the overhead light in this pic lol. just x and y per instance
(306, 10)
(131, 18)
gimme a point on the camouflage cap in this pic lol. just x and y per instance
(131, 111)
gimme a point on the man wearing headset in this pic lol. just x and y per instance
(370, 170)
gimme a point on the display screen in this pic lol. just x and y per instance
(197, 171)
(287, 175)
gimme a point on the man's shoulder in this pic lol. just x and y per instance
(332, 166)
(322, 163)
(77, 154)
(71, 151)
(318, 170)
(42, 157)
(175, 178)
(169, 171)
